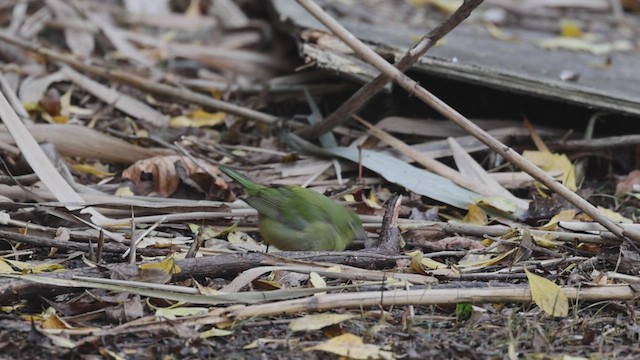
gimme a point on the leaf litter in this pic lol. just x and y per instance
(489, 273)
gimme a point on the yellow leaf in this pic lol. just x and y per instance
(55, 322)
(352, 347)
(547, 295)
(546, 241)
(124, 191)
(475, 215)
(564, 215)
(12, 308)
(431, 264)
(315, 322)
(205, 290)
(570, 29)
(217, 94)
(317, 281)
(180, 122)
(372, 201)
(198, 118)
(172, 314)
(31, 106)
(167, 265)
(36, 268)
(5, 268)
(93, 170)
(554, 162)
(475, 262)
(349, 198)
(60, 119)
(418, 262)
(499, 203)
(614, 215)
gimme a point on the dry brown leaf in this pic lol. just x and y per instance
(631, 183)
(166, 173)
(126, 311)
(475, 215)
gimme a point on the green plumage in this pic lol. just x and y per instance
(295, 218)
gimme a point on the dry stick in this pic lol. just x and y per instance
(213, 266)
(596, 144)
(359, 300)
(604, 238)
(140, 82)
(421, 93)
(370, 89)
(426, 297)
(429, 163)
(40, 241)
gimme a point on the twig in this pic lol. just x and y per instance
(140, 82)
(213, 266)
(596, 144)
(604, 238)
(421, 93)
(76, 246)
(370, 89)
(426, 297)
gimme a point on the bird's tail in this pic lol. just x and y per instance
(246, 183)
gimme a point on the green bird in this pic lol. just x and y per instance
(294, 218)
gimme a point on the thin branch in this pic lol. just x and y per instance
(426, 297)
(370, 89)
(140, 82)
(447, 111)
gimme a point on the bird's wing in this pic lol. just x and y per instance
(285, 205)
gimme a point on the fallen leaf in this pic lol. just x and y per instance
(317, 281)
(570, 29)
(547, 295)
(352, 347)
(168, 265)
(614, 216)
(554, 162)
(25, 267)
(174, 313)
(630, 184)
(564, 215)
(475, 215)
(215, 332)
(316, 322)
(97, 170)
(55, 322)
(499, 203)
(167, 171)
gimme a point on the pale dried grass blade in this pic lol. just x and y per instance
(472, 170)
(41, 165)
(116, 38)
(122, 102)
(87, 144)
(80, 41)
(32, 89)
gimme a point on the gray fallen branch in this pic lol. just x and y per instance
(226, 266)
